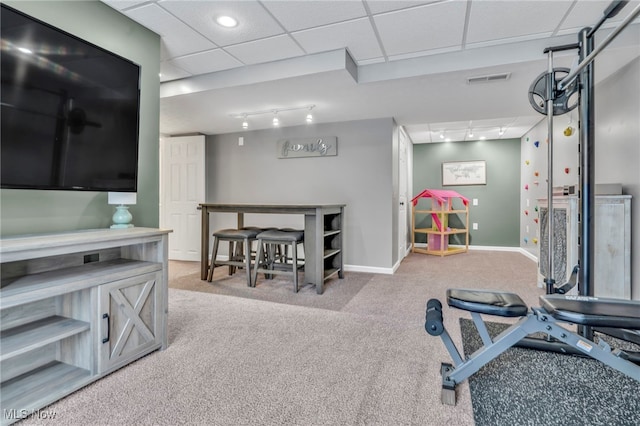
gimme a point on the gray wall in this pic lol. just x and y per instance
(617, 154)
(617, 129)
(360, 176)
(34, 211)
(498, 200)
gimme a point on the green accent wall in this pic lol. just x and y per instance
(36, 211)
(497, 212)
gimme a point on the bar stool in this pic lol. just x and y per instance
(270, 263)
(238, 239)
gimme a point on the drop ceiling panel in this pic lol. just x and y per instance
(356, 35)
(381, 6)
(297, 15)
(592, 11)
(452, 135)
(205, 62)
(427, 27)
(123, 4)
(498, 20)
(266, 50)
(254, 21)
(177, 38)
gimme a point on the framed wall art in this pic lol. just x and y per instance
(464, 173)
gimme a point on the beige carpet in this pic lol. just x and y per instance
(362, 359)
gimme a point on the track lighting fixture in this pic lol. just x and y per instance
(470, 133)
(276, 120)
(501, 131)
(441, 135)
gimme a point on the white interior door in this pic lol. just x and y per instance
(403, 193)
(182, 189)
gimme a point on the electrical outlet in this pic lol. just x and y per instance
(475, 201)
(241, 141)
(475, 226)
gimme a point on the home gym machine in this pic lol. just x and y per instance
(556, 91)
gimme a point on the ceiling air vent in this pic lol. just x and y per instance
(488, 78)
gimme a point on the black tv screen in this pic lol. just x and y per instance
(69, 113)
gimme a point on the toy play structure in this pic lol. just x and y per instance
(442, 205)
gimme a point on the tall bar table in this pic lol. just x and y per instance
(323, 236)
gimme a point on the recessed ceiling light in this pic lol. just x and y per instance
(226, 21)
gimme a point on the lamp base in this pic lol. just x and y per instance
(122, 226)
(122, 218)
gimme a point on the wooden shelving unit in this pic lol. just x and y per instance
(442, 205)
(66, 321)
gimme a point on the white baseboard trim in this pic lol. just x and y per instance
(371, 269)
(528, 254)
(492, 248)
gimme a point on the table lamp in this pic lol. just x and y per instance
(122, 217)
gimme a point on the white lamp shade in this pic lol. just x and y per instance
(119, 198)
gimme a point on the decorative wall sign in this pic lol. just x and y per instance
(308, 147)
(464, 173)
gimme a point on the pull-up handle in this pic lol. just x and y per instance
(561, 48)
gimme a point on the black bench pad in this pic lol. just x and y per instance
(593, 311)
(488, 302)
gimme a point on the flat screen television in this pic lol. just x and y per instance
(70, 110)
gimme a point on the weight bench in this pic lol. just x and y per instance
(586, 311)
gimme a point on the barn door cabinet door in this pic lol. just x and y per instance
(129, 318)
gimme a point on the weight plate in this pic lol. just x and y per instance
(563, 100)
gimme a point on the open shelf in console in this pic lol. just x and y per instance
(40, 387)
(24, 338)
(28, 288)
